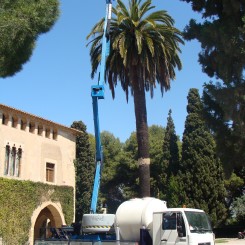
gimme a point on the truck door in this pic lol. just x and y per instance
(173, 229)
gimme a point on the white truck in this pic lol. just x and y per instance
(148, 221)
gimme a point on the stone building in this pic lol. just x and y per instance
(35, 149)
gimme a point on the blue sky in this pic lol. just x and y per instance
(56, 84)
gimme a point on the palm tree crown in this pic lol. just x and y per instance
(148, 43)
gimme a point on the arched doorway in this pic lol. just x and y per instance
(47, 215)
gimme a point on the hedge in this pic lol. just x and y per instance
(19, 199)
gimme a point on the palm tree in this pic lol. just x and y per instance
(144, 51)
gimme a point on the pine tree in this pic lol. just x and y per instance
(200, 170)
(110, 192)
(84, 165)
(21, 23)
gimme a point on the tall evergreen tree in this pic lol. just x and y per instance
(174, 191)
(222, 38)
(156, 135)
(200, 170)
(84, 165)
(170, 162)
(170, 148)
(21, 22)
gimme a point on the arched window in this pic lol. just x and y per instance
(55, 134)
(47, 133)
(18, 162)
(13, 161)
(22, 124)
(14, 122)
(7, 158)
(31, 127)
(4, 119)
(39, 129)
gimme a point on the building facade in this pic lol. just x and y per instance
(38, 150)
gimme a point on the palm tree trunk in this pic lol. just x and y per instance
(142, 139)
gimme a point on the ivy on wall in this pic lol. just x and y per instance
(19, 199)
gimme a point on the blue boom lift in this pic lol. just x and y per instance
(98, 93)
(96, 226)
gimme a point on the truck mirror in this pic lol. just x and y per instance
(180, 231)
(180, 226)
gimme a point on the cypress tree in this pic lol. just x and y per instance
(222, 36)
(170, 162)
(156, 136)
(84, 165)
(200, 170)
(170, 148)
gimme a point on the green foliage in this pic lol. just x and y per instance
(131, 146)
(238, 209)
(156, 135)
(84, 165)
(115, 188)
(173, 192)
(170, 162)
(201, 174)
(234, 186)
(112, 148)
(120, 160)
(222, 38)
(235, 191)
(170, 148)
(224, 107)
(19, 199)
(21, 22)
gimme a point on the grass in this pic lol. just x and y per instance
(221, 240)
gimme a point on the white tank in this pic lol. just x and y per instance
(135, 214)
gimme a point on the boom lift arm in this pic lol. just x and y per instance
(98, 93)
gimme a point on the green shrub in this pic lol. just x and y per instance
(19, 199)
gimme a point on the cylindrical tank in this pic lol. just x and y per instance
(135, 214)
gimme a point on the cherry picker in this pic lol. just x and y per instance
(98, 93)
(93, 223)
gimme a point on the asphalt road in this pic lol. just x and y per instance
(230, 241)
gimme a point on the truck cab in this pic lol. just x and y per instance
(182, 226)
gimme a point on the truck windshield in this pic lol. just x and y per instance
(198, 222)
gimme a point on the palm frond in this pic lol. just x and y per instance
(145, 7)
(139, 37)
(142, 42)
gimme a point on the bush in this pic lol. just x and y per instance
(19, 199)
